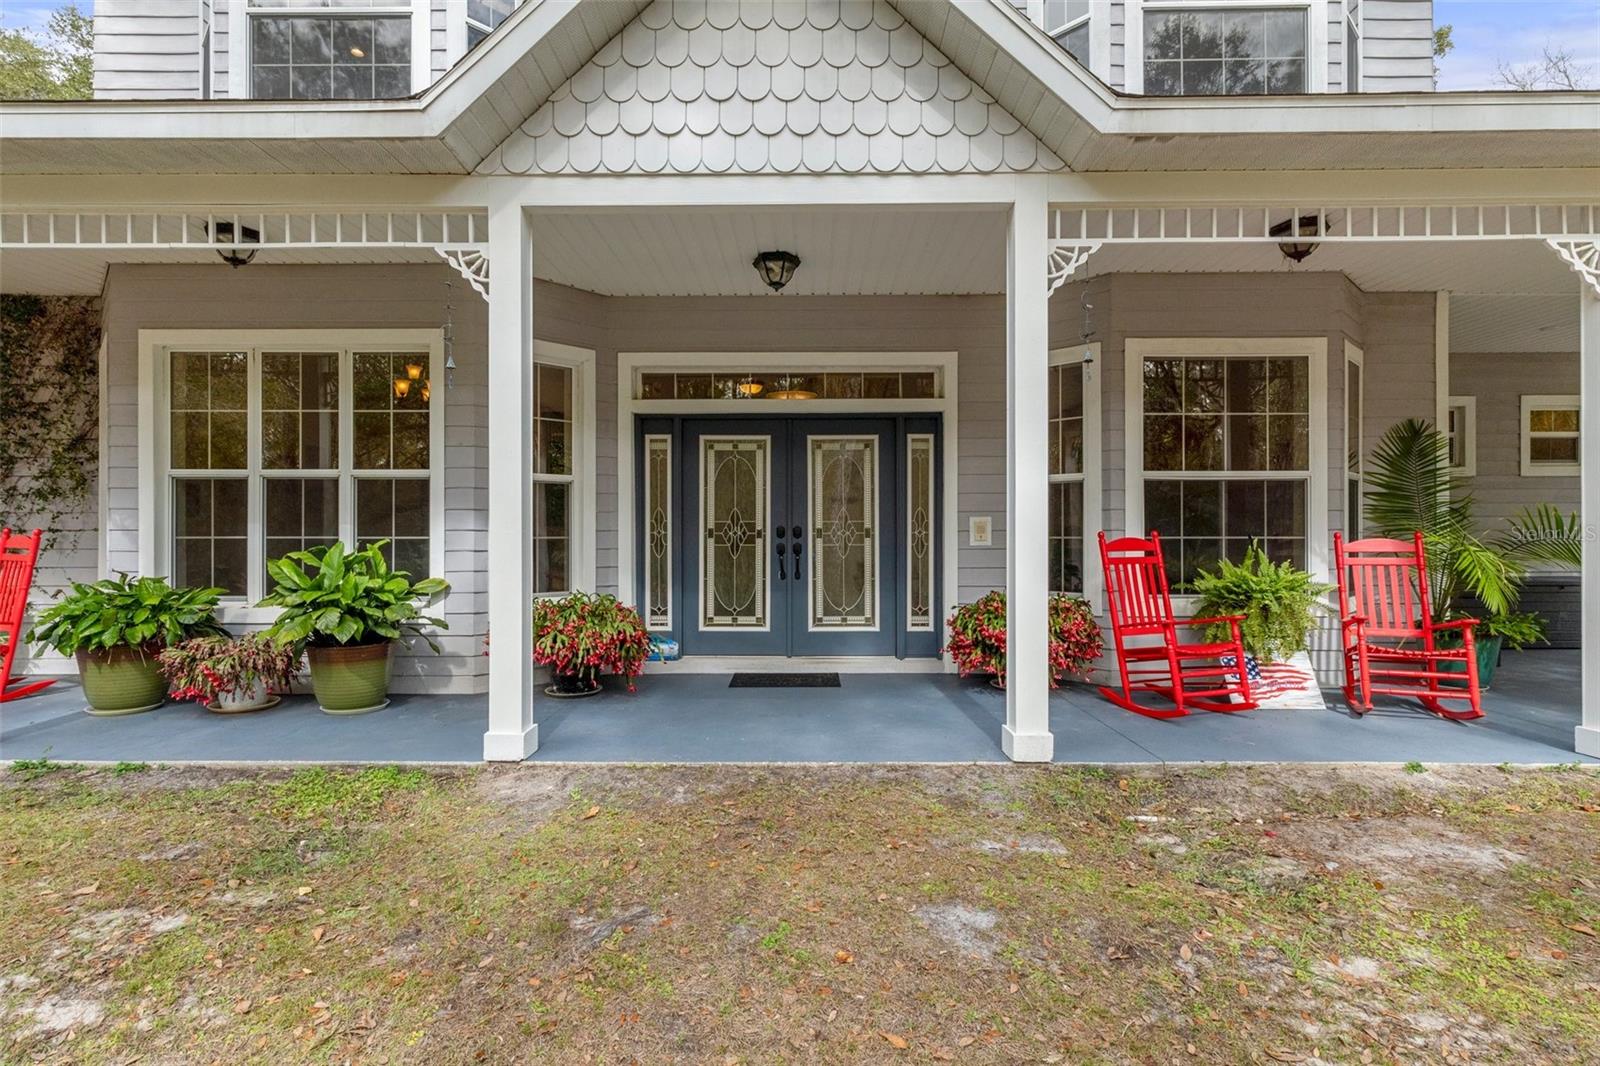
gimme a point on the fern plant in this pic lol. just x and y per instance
(1279, 602)
(1410, 487)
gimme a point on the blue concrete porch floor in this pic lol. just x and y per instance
(872, 718)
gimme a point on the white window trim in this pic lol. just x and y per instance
(1316, 32)
(155, 517)
(631, 364)
(1355, 21)
(241, 11)
(581, 549)
(1530, 404)
(1355, 357)
(1468, 432)
(1319, 558)
(1088, 356)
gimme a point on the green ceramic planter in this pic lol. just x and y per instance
(353, 679)
(1488, 655)
(121, 681)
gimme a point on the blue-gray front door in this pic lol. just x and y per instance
(792, 534)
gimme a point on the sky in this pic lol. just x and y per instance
(1487, 32)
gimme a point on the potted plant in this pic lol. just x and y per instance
(580, 637)
(1410, 487)
(116, 627)
(978, 637)
(1279, 603)
(230, 675)
(346, 609)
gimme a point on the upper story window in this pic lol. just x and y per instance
(485, 16)
(1068, 22)
(330, 49)
(1224, 52)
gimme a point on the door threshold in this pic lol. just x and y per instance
(837, 664)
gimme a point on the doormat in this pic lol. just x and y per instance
(1285, 686)
(784, 681)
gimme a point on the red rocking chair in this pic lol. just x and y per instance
(1383, 601)
(1141, 606)
(18, 556)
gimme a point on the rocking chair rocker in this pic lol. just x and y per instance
(18, 556)
(1141, 606)
(1383, 601)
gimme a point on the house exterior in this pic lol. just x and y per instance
(476, 277)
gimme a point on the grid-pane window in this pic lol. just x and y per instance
(1226, 458)
(1461, 431)
(1551, 437)
(1066, 477)
(276, 449)
(1068, 22)
(484, 16)
(1355, 448)
(554, 405)
(1224, 52)
(356, 50)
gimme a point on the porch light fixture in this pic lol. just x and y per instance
(402, 388)
(750, 389)
(776, 268)
(786, 390)
(1295, 250)
(223, 234)
(414, 371)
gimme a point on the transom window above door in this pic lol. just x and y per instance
(1224, 51)
(777, 384)
(330, 49)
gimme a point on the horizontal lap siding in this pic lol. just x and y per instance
(1397, 47)
(307, 297)
(147, 49)
(1499, 382)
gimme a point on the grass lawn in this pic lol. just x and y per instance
(827, 914)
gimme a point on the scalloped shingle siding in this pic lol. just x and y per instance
(792, 86)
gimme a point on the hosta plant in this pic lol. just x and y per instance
(334, 596)
(1279, 602)
(206, 668)
(978, 637)
(580, 637)
(122, 612)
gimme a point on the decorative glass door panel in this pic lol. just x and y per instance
(736, 476)
(843, 514)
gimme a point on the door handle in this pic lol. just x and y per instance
(798, 549)
(781, 575)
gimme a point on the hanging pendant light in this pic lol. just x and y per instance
(223, 233)
(776, 268)
(1296, 251)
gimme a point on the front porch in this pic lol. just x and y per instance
(871, 718)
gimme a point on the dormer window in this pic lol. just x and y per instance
(1224, 52)
(330, 50)
(484, 17)
(1068, 22)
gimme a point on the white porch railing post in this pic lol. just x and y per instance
(1027, 737)
(1587, 741)
(512, 735)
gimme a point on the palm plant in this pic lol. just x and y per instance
(1410, 487)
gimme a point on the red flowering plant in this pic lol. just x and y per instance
(205, 668)
(580, 637)
(978, 637)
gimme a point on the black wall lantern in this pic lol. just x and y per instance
(776, 268)
(1304, 226)
(223, 234)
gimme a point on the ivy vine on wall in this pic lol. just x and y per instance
(49, 411)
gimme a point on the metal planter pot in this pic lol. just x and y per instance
(350, 679)
(121, 681)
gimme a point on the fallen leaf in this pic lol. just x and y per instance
(303, 890)
(1557, 953)
(895, 1040)
(87, 890)
(1185, 952)
(591, 812)
(242, 1007)
(843, 957)
(1583, 927)
(942, 1054)
(318, 933)
(967, 1041)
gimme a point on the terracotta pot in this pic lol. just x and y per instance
(350, 678)
(121, 681)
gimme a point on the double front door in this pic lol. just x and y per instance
(793, 535)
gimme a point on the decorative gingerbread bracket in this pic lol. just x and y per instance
(471, 262)
(1064, 260)
(1583, 256)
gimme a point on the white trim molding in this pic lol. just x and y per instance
(1525, 434)
(1064, 260)
(471, 261)
(1569, 228)
(581, 533)
(1087, 356)
(1316, 34)
(1466, 432)
(1583, 256)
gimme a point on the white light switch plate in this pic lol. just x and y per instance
(980, 531)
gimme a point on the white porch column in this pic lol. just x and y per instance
(1587, 740)
(512, 734)
(1027, 737)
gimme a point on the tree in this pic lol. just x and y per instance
(1557, 68)
(1442, 44)
(55, 65)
